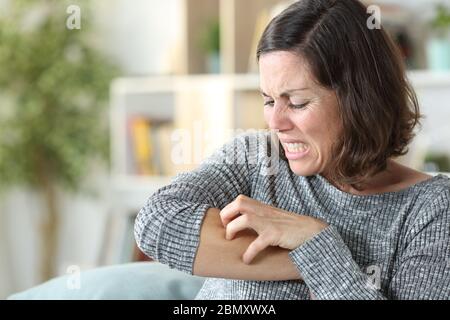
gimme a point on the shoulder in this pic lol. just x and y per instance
(426, 188)
(433, 211)
(440, 202)
(435, 190)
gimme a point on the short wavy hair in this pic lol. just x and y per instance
(377, 105)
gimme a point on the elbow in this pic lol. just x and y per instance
(146, 232)
(167, 231)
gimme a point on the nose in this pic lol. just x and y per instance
(278, 118)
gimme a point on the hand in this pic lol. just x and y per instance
(275, 227)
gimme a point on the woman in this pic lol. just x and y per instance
(338, 218)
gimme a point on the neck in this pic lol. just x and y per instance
(374, 184)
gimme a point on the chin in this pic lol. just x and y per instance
(302, 169)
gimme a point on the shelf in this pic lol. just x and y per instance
(131, 192)
(135, 182)
(421, 79)
(140, 85)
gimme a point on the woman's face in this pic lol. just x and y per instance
(304, 114)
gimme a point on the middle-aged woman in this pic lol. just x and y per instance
(339, 218)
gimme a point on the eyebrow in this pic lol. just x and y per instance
(286, 93)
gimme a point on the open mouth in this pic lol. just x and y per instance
(295, 150)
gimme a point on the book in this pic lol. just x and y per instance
(149, 146)
(141, 145)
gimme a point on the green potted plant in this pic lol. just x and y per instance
(437, 162)
(210, 43)
(438, 46)
(53, 88)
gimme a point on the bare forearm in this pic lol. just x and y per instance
(221, 258)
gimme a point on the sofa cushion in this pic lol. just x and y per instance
(140, 280)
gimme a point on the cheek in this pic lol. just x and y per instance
(307, 123)
(318, 131)
(326, 139)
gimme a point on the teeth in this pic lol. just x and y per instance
(296, 147)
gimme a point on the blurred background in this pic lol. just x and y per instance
(102, 102)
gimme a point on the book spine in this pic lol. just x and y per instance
(142, 146)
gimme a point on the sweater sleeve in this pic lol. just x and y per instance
(328, 269)
(167, 228)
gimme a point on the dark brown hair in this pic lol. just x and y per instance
(377, 106)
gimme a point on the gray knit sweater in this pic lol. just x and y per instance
(394, 245)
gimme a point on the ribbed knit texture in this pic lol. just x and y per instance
(394, 245)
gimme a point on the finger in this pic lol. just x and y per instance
(230, 212)
(233, 209)
(258, 245)
(238, 224)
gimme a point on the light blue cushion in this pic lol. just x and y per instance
(141, 280)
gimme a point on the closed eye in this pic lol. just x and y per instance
(299, 106)
(292, 106)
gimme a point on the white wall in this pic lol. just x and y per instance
(83, 220)
(140, 34)
(5, 267)
(434, 103)
(21, 211)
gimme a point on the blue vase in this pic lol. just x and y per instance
(438, 52)
(213, 63)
